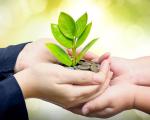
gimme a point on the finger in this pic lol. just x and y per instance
(104, 68)
(86, 91)
(93, 106)
(104, 87)
(79, 94)
(106, 83)
(101, 88)
(106, 113)
(80, 77)
(76, 109)
(98, 104)
(104, 57)
(87, 96)
(87, 56)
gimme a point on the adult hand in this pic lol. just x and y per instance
(60, 85)
(34, 53)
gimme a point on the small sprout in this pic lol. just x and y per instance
(70, 34)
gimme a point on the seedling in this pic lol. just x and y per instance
(70, 34)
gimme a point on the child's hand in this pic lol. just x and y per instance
(127, 88)
(119, 96)
(114, 100)
(134, 71)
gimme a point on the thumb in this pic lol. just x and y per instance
(80, 77)
(98, 104)
(104, 57)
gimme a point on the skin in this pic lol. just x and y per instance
(129, 89)
(142, 99)
(126, 74)
(34, 53)
(39, 78)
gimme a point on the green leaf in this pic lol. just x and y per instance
(66, 42)
(81, 24)
(84, 35)
(85, 49)
(66, 25)
(59, 53)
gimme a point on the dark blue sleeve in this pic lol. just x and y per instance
(12, 104)
(8, 57)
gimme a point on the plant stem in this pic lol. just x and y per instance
(74, 53)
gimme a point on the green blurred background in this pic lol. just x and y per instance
(122, 25)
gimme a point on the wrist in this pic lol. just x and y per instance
(132, 97)
(24, 79)
(142, 99)
(141, 67)
(20, 60)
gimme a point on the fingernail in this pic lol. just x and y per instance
(85, 111)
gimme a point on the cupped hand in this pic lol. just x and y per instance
(134, 71)
(115, 99)
(34, 53)
(128, 89)
(62, 86)
(121, 94)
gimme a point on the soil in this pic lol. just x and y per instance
(86, 65)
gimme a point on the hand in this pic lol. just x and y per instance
(119, 96)
(127, 74)
(62, 86)
(134, 71)
(114, 100)
(32, 54)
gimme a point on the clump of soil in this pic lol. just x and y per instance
(86, 65)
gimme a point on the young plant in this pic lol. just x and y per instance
(70, 34)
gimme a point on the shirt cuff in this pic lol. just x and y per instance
(12, 103)
(8, 57)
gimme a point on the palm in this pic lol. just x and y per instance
(112, 101)
(120, 66)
